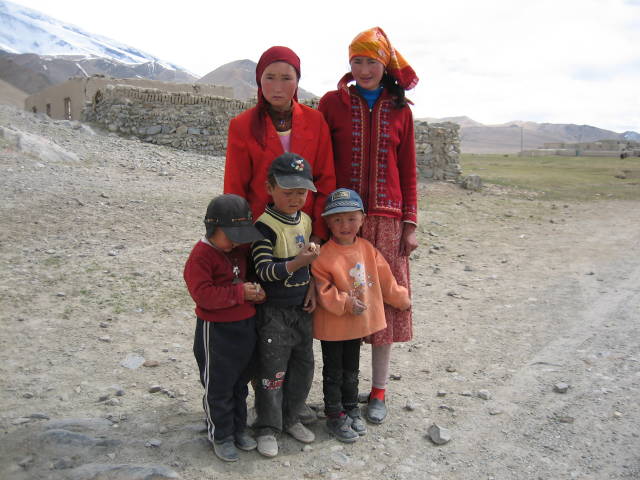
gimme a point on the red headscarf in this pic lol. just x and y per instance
(374, 43)
(273, 54)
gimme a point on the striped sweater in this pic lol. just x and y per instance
(284, 236)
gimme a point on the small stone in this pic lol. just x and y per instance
(61, 294)
(561, 387)
(113, 402)
(112, 456)
(286, 463)
(154, 442)
(617, 414)
(409, 405)
(105, 339)
(162, 430)
(27, 395)
(395, 376)
(63, 463)
(103, 398)
(104, 325)
(133, 361)
(151, 363)
(495, 411)
(113, 253)
(468, 268)
(26, 461)
(450, 369)
(307, 448)
(155, 389)
(20, 421)
(467, 393)
(441, 393)
(50, 251)
(438, 435)
(39, 416)
(565, 419)
(120, 392)
(447, 407)
(484, 394)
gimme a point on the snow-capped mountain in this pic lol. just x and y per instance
(24, 30)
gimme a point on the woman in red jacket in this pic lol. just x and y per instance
(278, 123)
(374, 150)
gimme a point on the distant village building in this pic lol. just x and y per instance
(67, 100)
(600, 148)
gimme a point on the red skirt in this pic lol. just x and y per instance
(385, 234)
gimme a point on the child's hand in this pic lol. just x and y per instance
(253, 292)
(309, 304)
(355, 306)
(307, 255)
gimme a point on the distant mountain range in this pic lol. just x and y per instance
(510, 137)
(37, 51)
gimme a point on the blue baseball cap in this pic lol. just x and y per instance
(342, 200)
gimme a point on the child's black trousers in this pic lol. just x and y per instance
(340, 368)
(223, 352)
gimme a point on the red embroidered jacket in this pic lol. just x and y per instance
(374, 151)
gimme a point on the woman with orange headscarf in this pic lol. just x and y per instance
(374, 154)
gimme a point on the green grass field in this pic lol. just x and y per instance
(559, 178)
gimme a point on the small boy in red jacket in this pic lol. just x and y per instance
(225, 334)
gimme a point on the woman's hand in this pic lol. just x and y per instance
(408, 241)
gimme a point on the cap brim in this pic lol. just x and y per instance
(294, 181)
(341, 210)
(243, 234)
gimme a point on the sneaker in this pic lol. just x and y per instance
(267, 445)
(301, 433)
(376, 411)
(244, 441)
(225, 449)
(357, 424)
(307, 415)
(340, 428)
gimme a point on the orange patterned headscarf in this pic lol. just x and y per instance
(374, 43)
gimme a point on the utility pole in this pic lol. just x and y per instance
(521, 139)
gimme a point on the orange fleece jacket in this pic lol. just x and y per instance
(358, 270)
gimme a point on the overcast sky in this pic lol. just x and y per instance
(559, 61)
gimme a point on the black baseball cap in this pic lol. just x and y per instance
(232, 214)
(292, 171)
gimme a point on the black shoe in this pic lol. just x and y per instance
(245, 442)
(341, 428)
(225, 449)
(357, 424)
(376, 411)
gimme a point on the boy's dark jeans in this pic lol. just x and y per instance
(285, 366)
(341, 364)
(223, 352)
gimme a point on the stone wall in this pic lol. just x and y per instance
(438, 150)
(181, 120)
(200, 122)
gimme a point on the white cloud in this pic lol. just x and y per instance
(573, 61)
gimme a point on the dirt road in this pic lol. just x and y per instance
(512, 296)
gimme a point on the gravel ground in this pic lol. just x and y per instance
(513, 297)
